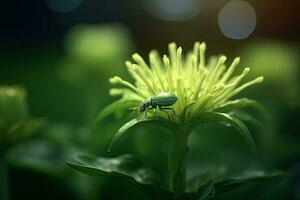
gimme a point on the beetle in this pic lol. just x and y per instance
(161, 101)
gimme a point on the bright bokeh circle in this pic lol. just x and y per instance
(237, 19)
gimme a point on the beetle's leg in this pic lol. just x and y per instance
(164, 110)
(145, 115)
(155, 113)
(168, 108)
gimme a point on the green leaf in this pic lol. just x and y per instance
(206, 191)
(207, 117)
(117, 105)
(152, 121)
(205, 188)
(246, 117)
(242, 103)
(201, 187)
(23, 130)
(253, 175)
(121, 131)
(39, 155)
(125, 165)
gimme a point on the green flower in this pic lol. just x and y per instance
(200, 86)
(15, 123)
(13, 107)
(203, 92)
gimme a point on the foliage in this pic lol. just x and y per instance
(204, 93)
(15, 124)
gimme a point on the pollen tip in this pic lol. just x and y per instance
(172, 45)
(115, 79)
(136, 56)
(202, 46)
(260, 79)
(166, 59)
(127, 63)
(223, 59)
(153, 53)
(237, 60)
(179, 50)
(112, 92)
(246, 70)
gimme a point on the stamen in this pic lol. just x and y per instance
(230, 70)
(244, 86)
(202, 49)
(204, 86)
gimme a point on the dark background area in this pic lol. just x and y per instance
(32, 48)
(33, 24)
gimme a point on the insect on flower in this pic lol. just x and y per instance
(161, 101)
(191, 84)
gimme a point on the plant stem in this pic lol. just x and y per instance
(3, 179)
(177, 154)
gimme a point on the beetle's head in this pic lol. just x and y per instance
(142, 108)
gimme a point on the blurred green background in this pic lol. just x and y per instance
(62, 53)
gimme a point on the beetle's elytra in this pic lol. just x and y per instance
(160, 101)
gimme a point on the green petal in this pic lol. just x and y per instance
(207, 117)
(121, 131)
(152, 121)
(117, 105)
(246, 117)
(242, 103)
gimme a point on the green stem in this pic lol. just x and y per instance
(177, 162)
(3, 179)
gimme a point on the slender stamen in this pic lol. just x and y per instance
(195, 83)
(230, 70)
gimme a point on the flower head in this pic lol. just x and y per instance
(13, 106)
(15, 122)
(199, 85)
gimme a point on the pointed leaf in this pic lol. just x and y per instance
(207, 117)
(246, 117)
(257, 175)
(200, 188)
(121, 131)
(208, 188)
(206, 191)
(152, 121)
(242, 103)
(117, 105)
(127, 166)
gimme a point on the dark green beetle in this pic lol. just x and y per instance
(161, 101)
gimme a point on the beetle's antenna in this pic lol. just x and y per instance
(134, 108)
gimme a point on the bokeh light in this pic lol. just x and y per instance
(278, 62)
(173, 10)
(237, 20)
(63, 5)
(64, 53)
(95, 43)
